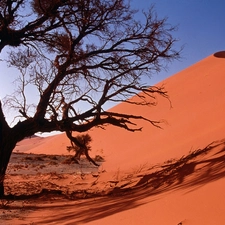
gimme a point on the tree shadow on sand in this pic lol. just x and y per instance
(205, 165)
(188, 173)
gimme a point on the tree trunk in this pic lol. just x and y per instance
(7, 144)
(8, 141)
(6, 149)
(3, 130)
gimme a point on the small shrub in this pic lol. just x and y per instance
(83, 146)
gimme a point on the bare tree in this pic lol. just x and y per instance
(79, 55)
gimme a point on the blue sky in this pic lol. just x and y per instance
(201, 29)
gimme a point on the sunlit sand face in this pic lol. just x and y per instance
(190, 193)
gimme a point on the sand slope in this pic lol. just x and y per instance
(194, 119)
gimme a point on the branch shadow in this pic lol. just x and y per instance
(205, 165)
(189, 172)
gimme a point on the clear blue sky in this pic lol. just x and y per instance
(201, 29)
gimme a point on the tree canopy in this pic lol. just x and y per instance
(79, 55)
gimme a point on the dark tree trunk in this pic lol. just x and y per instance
(5, 153)
(8, 142)
(8, 139)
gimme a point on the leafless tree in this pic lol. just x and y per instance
(79, 55)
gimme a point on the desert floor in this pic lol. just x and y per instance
(45, 189)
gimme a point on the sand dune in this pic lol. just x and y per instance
(193, 119)
(44, 145)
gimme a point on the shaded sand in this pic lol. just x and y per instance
(144, 183)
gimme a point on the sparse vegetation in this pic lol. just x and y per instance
(81, 146)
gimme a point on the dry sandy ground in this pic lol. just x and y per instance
(30, 174)
(163, 194)
(169, 176)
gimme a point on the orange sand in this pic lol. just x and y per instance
(194, 119)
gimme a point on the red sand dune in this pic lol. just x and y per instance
(194, 119)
